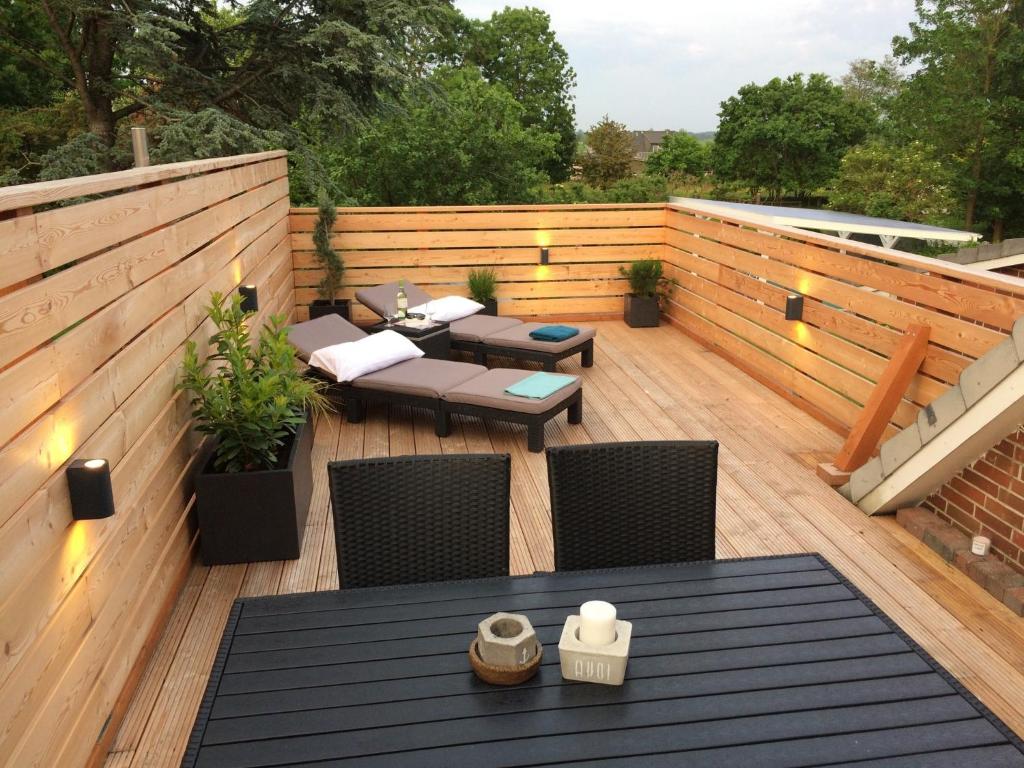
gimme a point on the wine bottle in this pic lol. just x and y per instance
(402, 301)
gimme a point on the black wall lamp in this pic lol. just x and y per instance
(250, 300)
(543, 255)
(92, 497)
(794, 307)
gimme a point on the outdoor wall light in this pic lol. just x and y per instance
(543, 255)
(92, 496)
(250, 300)
(794, 307)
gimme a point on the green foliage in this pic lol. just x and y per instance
(249, 396)
(482, 283)
(907, 183)
(466, 147)
(516, 48)
(243, 72)
(609, 153)
(330, 260)
(646, 278)
(209, 132)
(632, 189)
(787, 136)
(874, 83)
(680, 153)
(33, 72)
(965, 99)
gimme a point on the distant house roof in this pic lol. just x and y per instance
(889, 230)
(645, 142)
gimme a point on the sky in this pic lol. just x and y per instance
(663, 64)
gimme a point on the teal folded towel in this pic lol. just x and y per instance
(554, 333)
(540, 385)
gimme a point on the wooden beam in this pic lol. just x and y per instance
(888, 392)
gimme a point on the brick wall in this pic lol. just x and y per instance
(987, 498)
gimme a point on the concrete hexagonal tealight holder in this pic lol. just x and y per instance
(605, 664)
(506, 640)
(506, 650)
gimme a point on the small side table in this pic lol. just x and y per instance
(435, 339)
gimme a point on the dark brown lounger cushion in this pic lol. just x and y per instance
(519, 336)
(423, 377)
(325, 331)
(381, 298)
(488, 390)
(475, 327)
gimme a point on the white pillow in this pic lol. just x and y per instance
(349, 361)
(449, 308)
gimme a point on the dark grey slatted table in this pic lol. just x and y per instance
(756, 662)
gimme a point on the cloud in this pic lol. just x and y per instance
(663, 64)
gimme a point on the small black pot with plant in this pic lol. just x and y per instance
(647, 288)
(253, 493)
(482, 283)
(331, 263)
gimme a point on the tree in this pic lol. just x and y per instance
(680, 153)
(469, 147)
(907, 183)
(875, 83)
(787, 135)
(966, 99)
(517, 48)
(259, 64)
(609, 153)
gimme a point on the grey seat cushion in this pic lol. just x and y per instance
(381, 298)
(488, 390)
(519, 336)
(325, 331)
(421, 376)
(475, 327)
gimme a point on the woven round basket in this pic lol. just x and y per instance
(496, 675)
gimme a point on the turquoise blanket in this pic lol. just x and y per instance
(540, 385)
(554, 333)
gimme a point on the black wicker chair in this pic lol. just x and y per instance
(412, 519)
(623, 504)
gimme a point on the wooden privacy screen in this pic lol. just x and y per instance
(97, 300)
(733, 281)
(436, 247)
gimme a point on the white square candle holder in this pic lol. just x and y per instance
(605, 664)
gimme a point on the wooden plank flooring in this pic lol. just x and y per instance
(646, 384)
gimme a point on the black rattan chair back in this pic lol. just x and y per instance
(410, 519)
(622, 504)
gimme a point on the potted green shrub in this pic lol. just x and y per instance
(482, 283)
(331, 263)
(253, 493)
(647, 287)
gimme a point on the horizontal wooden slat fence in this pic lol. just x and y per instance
(733, 279)
(436, 248)
(97, 300)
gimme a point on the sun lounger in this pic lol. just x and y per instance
(443, 387)
(485, 335)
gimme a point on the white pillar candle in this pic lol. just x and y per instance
(597, 623)
(980, 545)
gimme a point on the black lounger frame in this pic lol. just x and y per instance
(357, 398)
(549, 360)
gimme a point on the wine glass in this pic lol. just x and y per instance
(427, 315)
(390, 313)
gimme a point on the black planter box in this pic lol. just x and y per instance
(322, 307)
(490, 308)
(245, 517)
(642, 311)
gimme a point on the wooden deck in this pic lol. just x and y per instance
(646, 384)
